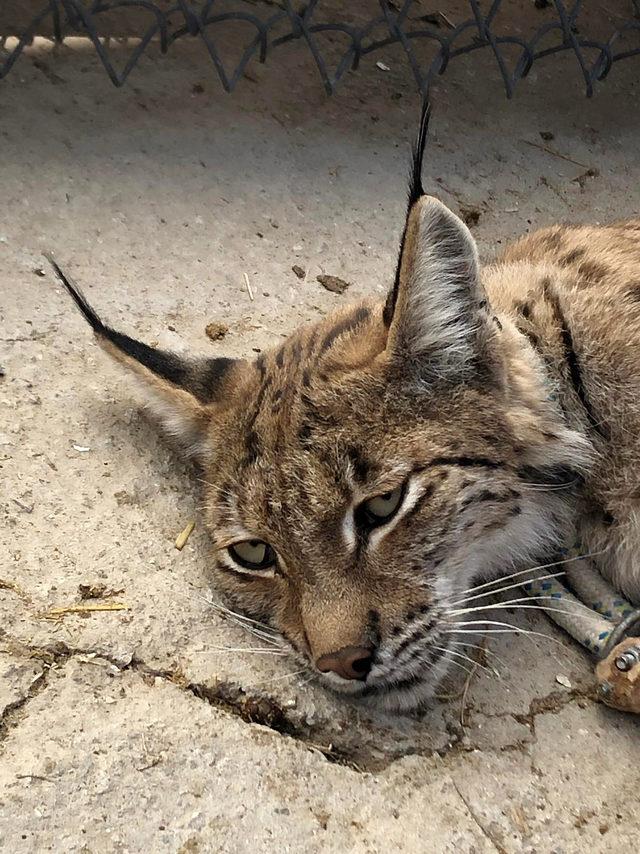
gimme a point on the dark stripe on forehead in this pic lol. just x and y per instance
(464, 462)
(312, 418)
(252, 440)
(347, 324)
(361, 466)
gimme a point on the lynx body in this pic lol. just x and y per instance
(364, 476)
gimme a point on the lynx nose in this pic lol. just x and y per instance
(350, 662)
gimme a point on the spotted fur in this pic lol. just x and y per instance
(505, 400)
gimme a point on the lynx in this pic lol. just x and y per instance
(363, 476)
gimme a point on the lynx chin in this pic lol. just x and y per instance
(365, 475)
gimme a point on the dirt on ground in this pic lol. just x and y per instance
(135, 718)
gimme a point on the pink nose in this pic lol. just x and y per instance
(350, 662)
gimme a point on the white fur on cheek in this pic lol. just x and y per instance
(349, 529)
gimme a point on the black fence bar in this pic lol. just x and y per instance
(430, 40)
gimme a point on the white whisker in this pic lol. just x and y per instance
(537, 487)
(259, 630)
(508, 629)
(524, 572)
(281, 677)
(481, 648)
(465, 657)
(515, 603)
(253, 627)
(517, 584)
(219, 607)
(457, 663)
(251, 650)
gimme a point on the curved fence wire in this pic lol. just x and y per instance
(518, 33)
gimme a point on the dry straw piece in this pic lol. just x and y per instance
(184, 535)
(83, 608)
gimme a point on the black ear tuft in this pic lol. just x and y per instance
(201, 378)
(415, 183)
(416, 191)
(166, 365)
(78, 297)
(180, 391)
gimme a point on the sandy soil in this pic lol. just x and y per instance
(136, 730)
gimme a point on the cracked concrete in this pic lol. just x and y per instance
(155, 727)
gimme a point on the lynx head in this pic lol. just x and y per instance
(364, 475)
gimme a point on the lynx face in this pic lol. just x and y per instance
(352, 507)
(364, 476)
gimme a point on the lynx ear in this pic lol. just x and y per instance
(180, 392)
(439, 311)
(436, 312)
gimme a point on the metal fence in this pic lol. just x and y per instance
(517, 33)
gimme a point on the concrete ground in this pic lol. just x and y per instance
(154, 728)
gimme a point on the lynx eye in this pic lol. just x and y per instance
(376, 511)
(253, 554)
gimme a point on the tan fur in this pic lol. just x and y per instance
(595, 273)
(467, 397)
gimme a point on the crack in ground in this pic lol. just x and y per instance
(12, 713)
(233, 699)
(486, 831)
(252, 709)
(554, 702)
(226, 696)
